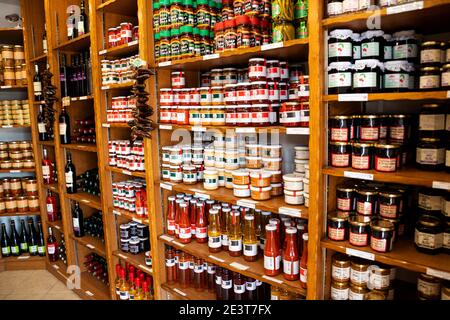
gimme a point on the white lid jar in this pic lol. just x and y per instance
(273, 164)
(260, 179)
(301, 153)
(300, 165)
(211, 179)
(293, 182)
(294, 197)
(241, 191)
(231, 159)
(271, 151)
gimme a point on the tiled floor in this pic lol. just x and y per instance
(33, 285)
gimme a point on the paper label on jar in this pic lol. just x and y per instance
(370, 49)
(396, 133)
(359, 277)
(355, 296)
(388, 211)
(257, 71)
(432, 203)
(445, 79)
(380, 245)
(272, 263)
(339, 79)
(290, 116)
(250, 250)
(429, 289)
(37, 88)
(336, 234)
(334, 8)
(340, 160)
(385, 164)
(200, 232)
(360, 162)
(430, 156)
(370, 133)
(428, 240)
(227, 284)
(358, 239)
(429, 82)
(339, 134)
(377, 281)
(365, 79)
(343, 204)
(432, 122)
(339, 273)
(430, 56)
(291, 267)
(396, 81)
(339, 294)
(340, 49)
(445, 208)
(446, 240)
(404, 51)
(41, 128)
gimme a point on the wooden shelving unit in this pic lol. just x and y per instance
(91, 243)
(81, 147)
(86, 199)
(128, 215)
(396, 96)
(135, 260)
(188, 293)
(274, 129)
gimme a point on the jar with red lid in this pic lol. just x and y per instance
(259, 92)
(219, 37)
(178, 79)
(243, 115)
(273, 70)
(176, 96)
(230, 115)
(290, 114)
(284, 91)
(230, 35)
(274, 92)
(126, 32)
(274, 109)
(111, 37)
(165, 97)
(244, 34)
(293, 92)
(243, 92)
(183, 115)
(256, 38)
(230, 94)
(257, 70)
(260, 115)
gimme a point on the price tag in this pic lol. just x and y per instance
(215, 258)
(211, 56)
(85, 201)
(137, 220)
(166, 238)
(245, 130)
(165, 63)
(418, 5)
(23, 257)
(165, 127)
(303, 93)
(105, 87)
(73, 99)
(177, 243)
(58, 227)
(438, 273)
(246, 203)
(132, 43)
(202, 195)
(302, 131)
(90, 246)
(165, 186)
(102, 52)
(179, 292)
(128, 173)
(239, 266)
(358, 175)
(122, 256)
(106, 125)
(83, 98)
(7, 126)
(360, 254)
(441, 185)
(6, 87)
(272, 279)
(290, 211)
(353, 97)
(272, 46)
(198, 129)
(66, 101)
(14, 171)
(55, 266)
(89, 293)
(145, 268)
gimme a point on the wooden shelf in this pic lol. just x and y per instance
(91, 243)
(126, 172)
(397, 96)
(86, 199)
(17, 170)
(80, 147)
(93, 288)
(116, 125)
(13, 88)
(23, 262)
(188, 293)
(82, 98)
(58, 225)
(52, 187)
(135, 260)
(236, 264)
(11, 35)
(275, 205)
(425, 20)
(280, 129)
(46, 143)
(39, 58)
(410, 176)
(129, 215)
(75, 45)
(296, 49)
(120, 86)
(404, 255)
(121, 51)
(122, 7)
(19, 214)
(15, 126)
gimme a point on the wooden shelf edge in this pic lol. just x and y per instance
(16, 170)
(17, 214)
(129, 215)
(80, 147)
(397, 96)
(86, 199)
(188, 293)
(73, 41)
(137, 174)
(39, 58)
(131, 259)
(119, 50)
(89, 242)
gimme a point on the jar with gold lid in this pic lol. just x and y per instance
(33, 203)
(9, 76)
(375, 295)
(357, 292)
(340, 267)
(8, 56)
(14, 146)
(428, 287)
(16, 155)
(339, 290)
(379, 277)
(2, 205)
(28, 164)
(24, 145)
(6, 164)
(10, 204)
(359, 271)
(15, 187)
(18, 55)
(17, 164)
(22, 204)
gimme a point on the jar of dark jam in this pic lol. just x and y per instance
(372, 45)
(428, 235)
(430, 154)
(430, 78)
(399, 227)
(431, 53)
(340, 45)
(337, 227)
(388, 43)
(430, 201)
(399, 128)
(405, 46)
(398, 76)
(340, 75)
(366, 202)
(345, 198)
(362, 156)
(340, 153)
(446, 205)
(340, 128)
(384, 125)
(355, 126)
(382, 236)
(446, 238)
(389, 204)
(359, 231)
(432, 120)
(356, 37)
(367, 75)
(386, 157)
(369, 128)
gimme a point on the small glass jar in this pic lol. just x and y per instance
(189, 175)
(339, 290)
(431, 53)
(359, 231)
(340, 267)
(359, 272)
(294, 197)
(241, 191)
(430, 154)
(445, 77)
(430, 78)
(379, 278)
(277, 190)
(428, 235)
(367, 75)
(369, 129)
(257, 69)
(366, 202)
(405, 46)
(432, 120)
(293, 182)
(22, 204)
(428, 287)
(33, 203)
(345, 198)
(340, 46)
(398, 76)
(337, 227)
(260, 194)
(372, 45)
(260, 179)
(362, 156)
(176, 173)
(340, 154)
(241, 177)
(340, 76)
(389, 204)
(339, 127)
(357, 292)
(291, 114)
(211, 180)
(381, 239)
(386, 157)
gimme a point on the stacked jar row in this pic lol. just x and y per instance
(13, 67)
(356, 62)
(15, 112)
(296, 185)
(338, 7)
(121, 109)
(123, 34)
(16, 154)
(131, 196)
(134, 237)
(10, 204)
(117, 71)
(125, 155)
(18, 186)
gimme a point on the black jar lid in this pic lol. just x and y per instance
(382, 225)
(429, 221)
(359, 221)
(367, 192)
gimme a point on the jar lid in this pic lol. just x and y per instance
(367, 192)
(446, 66)
(241, 173)
(293, 193)
(345, 188)
(398, 65)
(371, 34)
(271, 146)
(242, 187)
(257, 60)
(339, 66)
(356, 37)
(387, 37)
(341, 259)
(258, 83)
(430, 43)
(260, 175)
(272, 172)
(188, 168)
(336, 143)
(231, 85)
(229, 70)
(359, 220)
(405, 35)
(217, 88)
(270, 227)
(124, 226)
(253, 158)
(432, 105)
(341, 34)
(368, 63)
(386, 146)
(429, 69)
(273, 61)
(429, 221)
(292, 177)
(340, 117)
(382, 225)
(272, 159)
(260, 189)
(391, 194)
(334, 216)
(301, 148)
(430, 140)
(276, 185)
(252, 145)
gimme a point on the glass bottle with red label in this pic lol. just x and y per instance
(47, 169)
(272, 257)
(201, 223)
(304, 262)
(185, 224)
(291, 260)
(52, 209)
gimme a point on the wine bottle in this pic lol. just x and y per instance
(4, 242)
(47, 169)
(88, 73)
(71, 176)
(44, 40)
(41, 241)
(32, 245)
(63, 73)
(72, 32)
(82, 26)
(42, 129)
(24, 237)
(64, 126)
(52, 246)
(78, 221)
(14, 242)
(37, 85)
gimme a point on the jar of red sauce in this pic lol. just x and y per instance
(274, 92)
(136, 33)
(184, 97)
(243, 92)
(230, 94)
(243, 115)
(284, 71)
(290, 114)
(178, 79)
(230, 115)
(126, 32)
(259, 92)
(183, 115)
(165, 97)
(173, 114)
(194, 96)
(164, 114)
(274, 109)
(273, 70)
(260, 115)
(257, 70)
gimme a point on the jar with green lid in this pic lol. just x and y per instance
(156, 16)
(197, 42)
(176, 14)
(301, 9)
(156, 47)
(203, 14)
(164, 15)
(205, 42)
(164, 46)
(214, 12)
(188, 13)
(430, 154)
(283, 31)
(175, 44)
(187, 42)
(428, 235)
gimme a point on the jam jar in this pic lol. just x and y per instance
(430, 78)
(386, 157)
(345, 198)
(430, 201)
(369, 129)
(398, 76)
(367, 75)
(428, 287)
(428, 235)
(399, 127)
(372, 43)
(340, 153)
(337, 227)
(340, 46)
(257, 70)
(340, 128)
(366, 202)
(388, 43)
(359, 231)
(430, 154)
(362, 156)
(359, 271)
(382, 237)
(291, 114)
(405, 46)
(340, 267)
(340, 76)
(445, 77)
(356, 37)
(389, 204)
(431, 53)
(432, 120)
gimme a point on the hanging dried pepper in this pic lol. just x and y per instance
(49, 92)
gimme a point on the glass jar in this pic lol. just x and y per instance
(356, 39)
(428, 235)
(405, 46)
(334, 8)
(386, 157)
(359, 272)
(339, 290)
(260, 115)
(430, 154)
(340, 128)
(243, 32)
(362, 156)
(359, 231)
(345, 198)
(357, 292)
(369, 129)
(372, 43)
(382, 236)
(399, 128)
(430, 78)
(367, 75)
(230, 35)
(431, 54)
(243, 93)
(189, 175)
(259, 92)
(337, 227)
(366, 202)
(260, 194)
(243, 115)
(257, 70)
(340, 77)
(340, 267)
(291, 114)
(389, 204)
(340, 46)
(428, 287)
(398, 76)
(445, 77)
(340, 153)
(33, 204)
